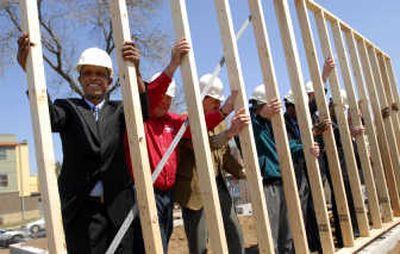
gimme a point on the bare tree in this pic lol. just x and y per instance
(66, 24)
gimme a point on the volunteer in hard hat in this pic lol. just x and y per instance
(339, 147)
(166, 100)
(212, 86)
(160, 130)
(312, 103)
(319, 127)
(344, 104)
(300, 167)
(94, 184)
(329, 66)
(262, 111)
(290, 117)
(187, 192)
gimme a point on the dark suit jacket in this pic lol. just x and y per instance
(92, 151)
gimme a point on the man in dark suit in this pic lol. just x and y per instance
(94, 184)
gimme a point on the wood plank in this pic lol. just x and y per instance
(200, 139)
(246, 135)
(42, 129)
(136, 134)
(391, 177)
(393, 82)
(362, 242)
(355, 116)
(329, 139)
(389, 96)
(388, 124)
(353, 110)
(394, 85)
(388, 199)
(315, 7)
(280, 133)
(396, 104)
(303, 116)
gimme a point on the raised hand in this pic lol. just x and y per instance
(271, 108)
(24, 45)
(321, 127)
(239, 121)
(229, 104)
(329, 65)
(131, 53)
(180, 49)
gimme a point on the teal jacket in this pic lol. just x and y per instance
(266, 148)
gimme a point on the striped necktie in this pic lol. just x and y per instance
(96, 112)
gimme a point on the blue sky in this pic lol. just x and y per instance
(378, 21)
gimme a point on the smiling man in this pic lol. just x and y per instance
(94, 184)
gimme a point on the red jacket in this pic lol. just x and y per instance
(161, 131)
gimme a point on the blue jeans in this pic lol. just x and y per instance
(165, 205)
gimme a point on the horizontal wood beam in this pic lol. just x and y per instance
(362, 242)
(314, 7)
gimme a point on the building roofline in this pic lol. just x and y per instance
(8, 144)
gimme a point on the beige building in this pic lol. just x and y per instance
(19, 191)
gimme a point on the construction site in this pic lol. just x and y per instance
(341, 196)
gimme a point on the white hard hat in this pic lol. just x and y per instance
(214, 90)
(171, 88)
(309, 87)
(343, 97)
(259, 94)
(289, 97)
(96, 57)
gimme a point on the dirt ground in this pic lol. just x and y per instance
(4, 251)
(178, 242)
(396, 250)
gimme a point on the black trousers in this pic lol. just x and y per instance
(92, 231)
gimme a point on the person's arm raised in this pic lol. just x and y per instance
(180, 49)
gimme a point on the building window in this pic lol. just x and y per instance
(3, 153)
(3, 180)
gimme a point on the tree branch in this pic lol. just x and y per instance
(96, 13)
(73, 84)
(13, 18)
